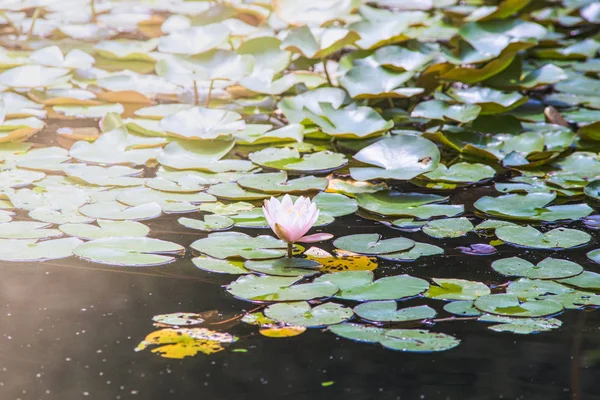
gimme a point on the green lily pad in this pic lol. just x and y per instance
(118, 211)
(27, 230)
(288, 159)
(233, 191)
(278, 288)
(318, 42)
(372, 244)
(509, 305)
(548, 268)
(218, 266)
(437, 109)
(239, 245)
(129, 251)
(275, 183)
(359, 285)
(351, 122)
(178, 319)
(461, 173)
(202, 123)
(302, 314)
(462, 308)
(202, 156)
(587, 280)
(387, 311)
(105, 229)
(456, 289)
(400, 157)
(18, 250)
(528, 236)
(409, 340)
(418, 251)
(335, 204)
(397, 204)
(521, 326)
(448, 228)
(531, 206)
(594, 255)
(211, 223)
(284, 267)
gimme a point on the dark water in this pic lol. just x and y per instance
(69, 328)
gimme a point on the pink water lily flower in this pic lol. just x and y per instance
(290, 221)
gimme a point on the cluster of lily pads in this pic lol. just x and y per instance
(114, 112)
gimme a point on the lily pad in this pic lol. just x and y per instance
(387, 311)
(129, 251)
(372, 244)
(218, 266)
(462, 308)
(284, 267)
(278, 183)
(288, 159)
(448, 228)
(528, 236)
(509, 305)
(211, 223)
(456, 289)
(302, 314)
(409, 340)
(392, 203)
(548, 268)
(400, 157)
(360, 286)
(277, 288)
(105, 229)
(239, 245)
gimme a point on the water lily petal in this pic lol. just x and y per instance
(316, 237)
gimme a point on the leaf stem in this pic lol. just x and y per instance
(34, 18)
(93, 6)
(324, 61)
(208, 96)
(196, 99)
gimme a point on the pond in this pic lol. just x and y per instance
(309, 200)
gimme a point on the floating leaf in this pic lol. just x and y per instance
(278, 183)
(387, 311)
(301, 314)
(129, 251)
(359, 285)
(548, 268)
(234, 244)
(410, 340)
(456, 289)
(284, 267)
(211, 223)
(392, 203)
(218, 266)
(527, 236)
(288, 159)
(105, 229)
(463, 308)
(372, 244)
(448, 228)
(32, 250)
(509, 305)
(178, 319)
(522, 326)
(400, 157)
(276, 288)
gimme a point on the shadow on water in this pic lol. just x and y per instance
(68, 330)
